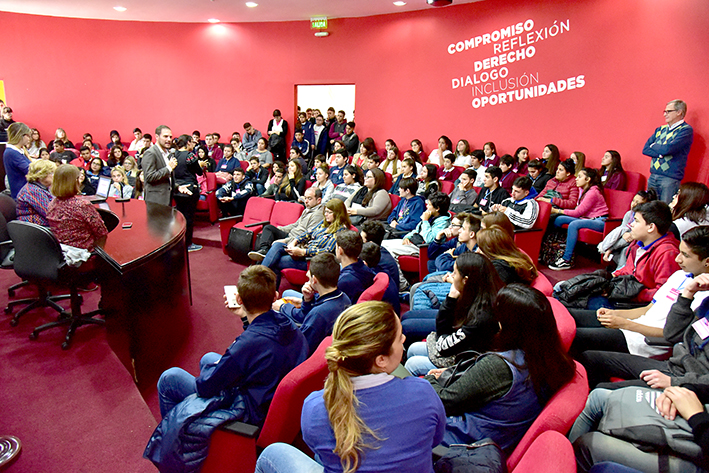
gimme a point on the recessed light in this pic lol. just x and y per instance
(213, 20)
(399, 4)
(120, 8)
(251, 4)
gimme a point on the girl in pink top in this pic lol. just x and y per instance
(590, 212)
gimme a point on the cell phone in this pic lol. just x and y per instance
(231, 292)
(127, 225)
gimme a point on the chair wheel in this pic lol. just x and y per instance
(8, 309)
(33, 336)
(65, 345)
(14, 322)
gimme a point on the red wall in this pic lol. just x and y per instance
(635, 55)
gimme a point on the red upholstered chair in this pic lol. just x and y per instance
(618, 204)
(256, 214)
(634, 182)
(376, 291)
(308, 184)
(447, 187)
(210, 205)
(559, 415)
(416, 264)
(103, 154)
(235, 446)
(395, 199)
(244, 165)
(389, 180)
(551, 452)
(565, 323)
(530, 241)
(543, 284)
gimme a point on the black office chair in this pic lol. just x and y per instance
(39, 259)
(109, 218)
(8, 213)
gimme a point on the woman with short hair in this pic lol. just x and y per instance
(34, 197)
(73, 219)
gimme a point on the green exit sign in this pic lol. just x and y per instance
(318, 23)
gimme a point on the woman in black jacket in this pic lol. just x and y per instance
(186, 186)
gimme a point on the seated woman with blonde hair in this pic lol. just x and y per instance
(365, 419)
(34, 197)
(120, 188)
(73, 220)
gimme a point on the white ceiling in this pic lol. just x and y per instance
(198, 11)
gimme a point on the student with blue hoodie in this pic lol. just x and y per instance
(407, 213)
(322, 301)
(442, 254)
(355, 276)
(433, 220)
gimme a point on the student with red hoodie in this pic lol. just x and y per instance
(652, 258)
(561, 191)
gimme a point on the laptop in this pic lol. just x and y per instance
(104, 185)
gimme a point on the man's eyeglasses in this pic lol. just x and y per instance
(453, 225)
(665, 112)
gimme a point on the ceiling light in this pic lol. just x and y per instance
(120, 8)
(399, 4)
(251, 4)
(213, 20)
(439, 3)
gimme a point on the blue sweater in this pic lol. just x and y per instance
(317, 317)
(354, 279)
(669, 150)
(17, 165)
(405, 414)
(407, 213)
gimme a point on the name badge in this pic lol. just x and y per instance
(701, 326)
(673, 294)
(483, 202)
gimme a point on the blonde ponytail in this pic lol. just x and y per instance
(361, 333)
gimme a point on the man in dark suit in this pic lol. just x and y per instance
(158, 166)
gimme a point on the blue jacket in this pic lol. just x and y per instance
(354, 279)
(303, 146)
(240, 386)
(407, 213)
(17, 166)
(317, 317)
(229, 165)
(439, 260)
(428, 229)
(387, 264)
(336, 175)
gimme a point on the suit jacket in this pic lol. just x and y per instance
(157, 177)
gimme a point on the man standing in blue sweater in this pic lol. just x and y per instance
(318, 313)
(668, 147)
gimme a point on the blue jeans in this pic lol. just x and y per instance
(572, 234)
(416, 324)
(417, 361)
(666, 187)
(175, 384)
(277, 259)
(284, 458)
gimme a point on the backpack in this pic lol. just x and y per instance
(631, 415)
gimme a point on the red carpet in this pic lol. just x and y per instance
(79, 410)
